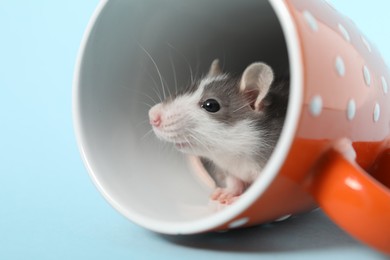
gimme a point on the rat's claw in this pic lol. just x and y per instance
(224, 196)
(232, 200)
(216, 194)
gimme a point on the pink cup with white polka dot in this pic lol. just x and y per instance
(334, 150)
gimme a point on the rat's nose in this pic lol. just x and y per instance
(155, 121)
(155, 115)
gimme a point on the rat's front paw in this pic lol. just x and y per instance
(225, 196)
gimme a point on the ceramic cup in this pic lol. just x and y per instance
(334, 149)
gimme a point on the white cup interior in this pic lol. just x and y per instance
(116, 81)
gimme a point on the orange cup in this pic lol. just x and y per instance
(334, 150)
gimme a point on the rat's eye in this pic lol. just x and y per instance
(211, 105)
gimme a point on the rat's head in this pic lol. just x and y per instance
(218, 114)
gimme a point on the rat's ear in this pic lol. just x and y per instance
(255, 83)
(215, 69)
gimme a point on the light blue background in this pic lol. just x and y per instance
(49, 208)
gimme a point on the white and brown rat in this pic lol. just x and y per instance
(231, 123)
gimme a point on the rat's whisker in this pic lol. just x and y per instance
(151, 99)
(174, 72)
(197, 66)
(186, 61)
(169, 91)
(147, 133)
(189, 143)
(157, 69)
(223, 58)
(156, 89)
(141, 123)
(158, 95)
(144, 103)
(201, 143)
(147, 96)
(139, 93)
(245, 105)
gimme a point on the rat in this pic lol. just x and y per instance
(232, 123)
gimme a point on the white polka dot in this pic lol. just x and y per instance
(351, 109)
(366, 43)
(377, 112)
(367, 76)
(283, 218)
(311, 21)
(238, 223)
(316, 106)
(384, 85)
(340, 66)
(345, 33)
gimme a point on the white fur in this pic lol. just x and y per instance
(232, 148)
(208, 80)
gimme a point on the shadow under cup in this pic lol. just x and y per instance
(117, 80)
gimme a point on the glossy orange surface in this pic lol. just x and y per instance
(356, 201)
(346, 73)
(345, 97)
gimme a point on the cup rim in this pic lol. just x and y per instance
(271, 169)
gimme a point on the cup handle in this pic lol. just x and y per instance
(353, 199)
